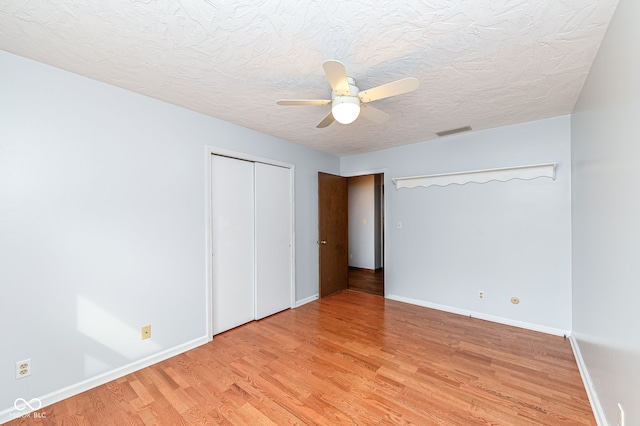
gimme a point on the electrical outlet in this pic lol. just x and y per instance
(481, 294)
(146, 332)
(23, 368)
(620, 415)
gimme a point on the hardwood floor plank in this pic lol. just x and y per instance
(352, 358)
(366, 280)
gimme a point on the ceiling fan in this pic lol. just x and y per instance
(348, 102)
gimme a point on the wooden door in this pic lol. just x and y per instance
(333, 233)
(273, 239)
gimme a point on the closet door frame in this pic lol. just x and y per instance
(209, 211)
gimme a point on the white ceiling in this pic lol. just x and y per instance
(483, 63)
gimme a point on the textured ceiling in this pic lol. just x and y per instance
(483, 63)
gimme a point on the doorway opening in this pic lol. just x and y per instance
(351, 233)
(366, 233)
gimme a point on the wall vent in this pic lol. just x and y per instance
(453, 131)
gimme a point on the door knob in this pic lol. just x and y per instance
(323, 242)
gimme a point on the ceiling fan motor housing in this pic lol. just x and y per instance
(346, 109)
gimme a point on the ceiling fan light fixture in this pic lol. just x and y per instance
(345, 109)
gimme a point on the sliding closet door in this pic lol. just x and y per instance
(232, 200)
(273, 239)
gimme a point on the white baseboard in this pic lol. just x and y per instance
(596, 407)
(483, 316)
(51, 398)
(306, 300)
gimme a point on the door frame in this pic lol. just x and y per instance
(209, 211)
(384, 172)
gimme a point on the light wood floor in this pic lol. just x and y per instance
(352, 358)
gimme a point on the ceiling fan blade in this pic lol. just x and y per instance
(326, 121)
(337, 75)
(303, 102)
(373, 114)
(398, 87)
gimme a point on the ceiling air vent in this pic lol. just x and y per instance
(453, 131)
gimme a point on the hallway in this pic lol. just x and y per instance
(366, 280)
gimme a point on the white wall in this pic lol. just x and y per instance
(362, 249)
(102, 226)
(606, 219)
(504, 238)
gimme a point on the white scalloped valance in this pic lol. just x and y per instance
(479, 176)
